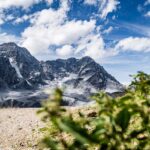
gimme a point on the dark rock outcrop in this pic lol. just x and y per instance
(19, 69)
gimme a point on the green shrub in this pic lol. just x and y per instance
(113, 124)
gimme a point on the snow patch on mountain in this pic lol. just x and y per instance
(15, 66)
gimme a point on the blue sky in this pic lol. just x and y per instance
(116, 33)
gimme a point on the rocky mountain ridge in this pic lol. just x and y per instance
(80, 77)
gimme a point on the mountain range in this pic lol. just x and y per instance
(23, 78)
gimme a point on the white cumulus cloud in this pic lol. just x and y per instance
(58, 35)
(51, 27)
(65, 52)
(51, 34)
(5, 4)
(93, 45)
(24, 4)
(134, 44)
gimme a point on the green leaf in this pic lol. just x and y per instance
(123, 118)
(127, 97)
(50, 143)
(79, 133)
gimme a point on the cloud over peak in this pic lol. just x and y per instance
(51, 28)
(51, 31)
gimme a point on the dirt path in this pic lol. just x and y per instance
(19, 129)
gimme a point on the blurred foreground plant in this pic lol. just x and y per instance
(113, 124)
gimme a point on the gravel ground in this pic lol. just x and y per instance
(19, 129)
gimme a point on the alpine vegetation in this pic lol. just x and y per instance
(113, 123)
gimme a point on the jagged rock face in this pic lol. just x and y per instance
(78, 72)
(26, 68)
(8, 76)
(80, 77)
(25, 61)
(59, 68)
